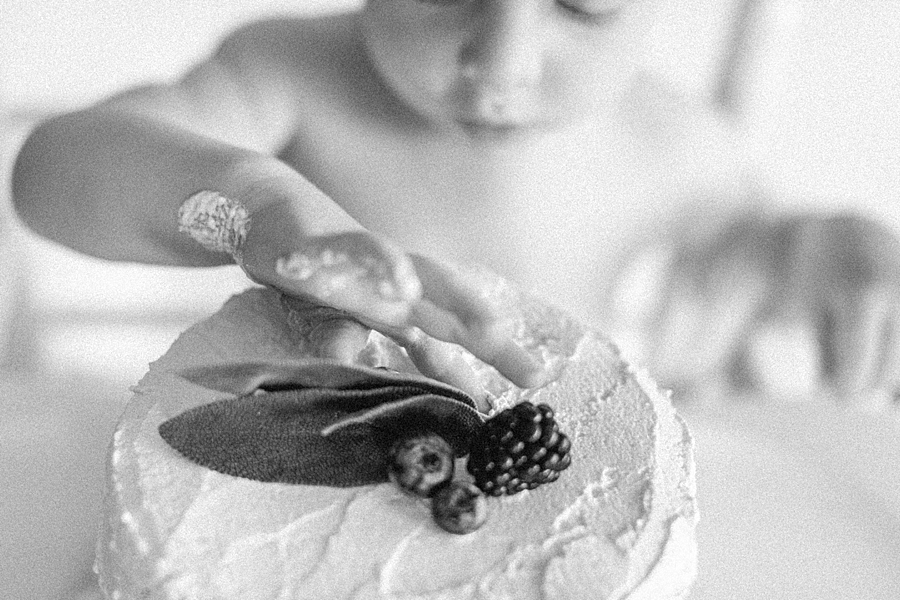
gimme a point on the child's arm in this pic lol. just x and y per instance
(109, 181)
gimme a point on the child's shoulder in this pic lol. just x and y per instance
(302, 43)
(314, 61)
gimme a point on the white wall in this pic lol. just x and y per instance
(58, 53)
(828, 127)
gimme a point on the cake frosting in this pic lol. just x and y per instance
(619, 523)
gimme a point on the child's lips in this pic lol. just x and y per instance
(489, 124)
(481, 127)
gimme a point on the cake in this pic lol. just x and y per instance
(618, 523)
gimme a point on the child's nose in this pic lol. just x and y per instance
(504, 52)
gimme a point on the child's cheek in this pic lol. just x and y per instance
(417, 57)
(574, 88)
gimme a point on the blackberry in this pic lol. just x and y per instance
(519, 449)
(419, 464)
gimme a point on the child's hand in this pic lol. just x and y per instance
(843, 283)
(786, 305)
(420, 303)
(684, 307)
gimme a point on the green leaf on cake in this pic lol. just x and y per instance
(316, 422)
(246, 377)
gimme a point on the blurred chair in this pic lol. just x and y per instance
(54, 429)
(17, 343)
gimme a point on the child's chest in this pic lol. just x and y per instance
(558, 219)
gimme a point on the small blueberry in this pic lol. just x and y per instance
(459, 507)
(420, 464)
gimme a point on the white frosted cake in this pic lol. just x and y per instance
(618, 523)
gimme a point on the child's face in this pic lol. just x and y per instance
(494, 67)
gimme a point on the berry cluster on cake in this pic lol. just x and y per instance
(581, 489)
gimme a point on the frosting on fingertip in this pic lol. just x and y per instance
(330, 272)
(303, 266)
(214, 221)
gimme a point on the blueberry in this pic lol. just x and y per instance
(420, 464)
(459, 507)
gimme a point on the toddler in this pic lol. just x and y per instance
(362, 163)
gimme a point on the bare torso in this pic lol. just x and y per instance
(556, 214)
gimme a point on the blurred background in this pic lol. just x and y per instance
(817, 95)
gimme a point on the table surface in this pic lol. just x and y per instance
(797, 502)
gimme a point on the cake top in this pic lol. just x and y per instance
(618, 523)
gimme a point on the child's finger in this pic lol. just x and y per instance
(352, 271)
(514, 363)
(868, 371)
(338, 339)
(474, 308)
(698, 331)
(441, 361)
(475, 297)
(494, 344)
(674, 330)
(326, 332)
(889, 375)
(858, 344)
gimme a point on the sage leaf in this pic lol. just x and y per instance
(315, 422)
(247, 377)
